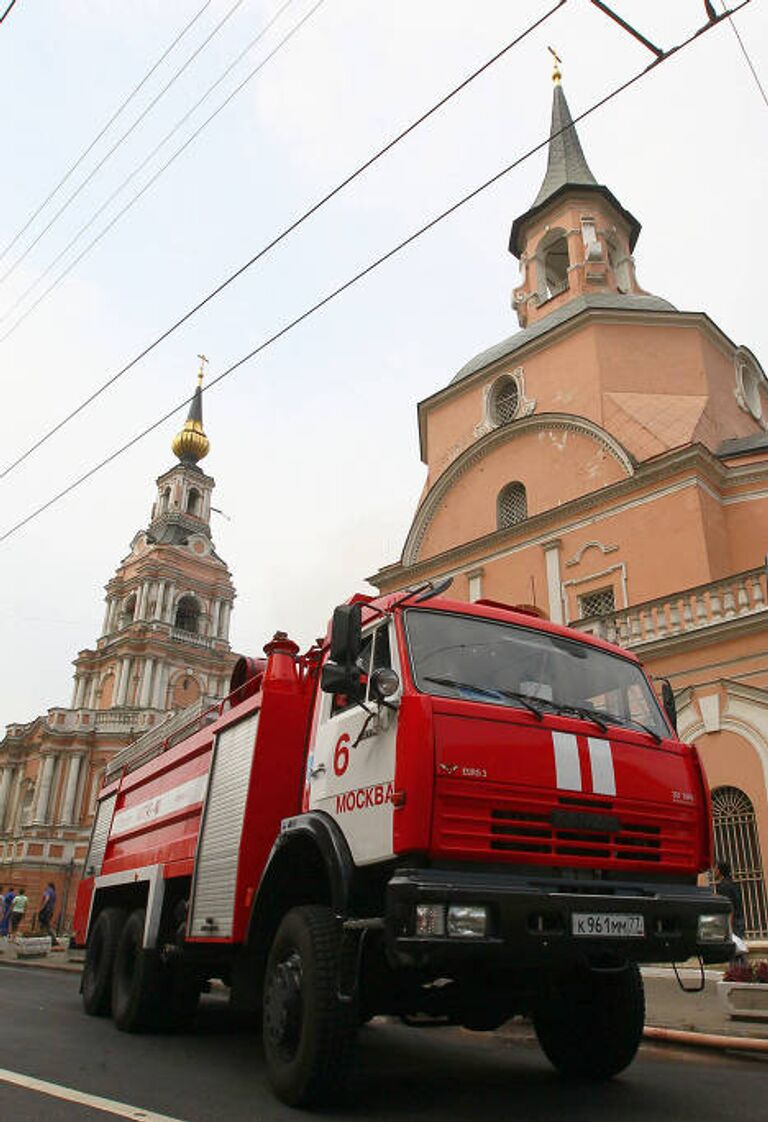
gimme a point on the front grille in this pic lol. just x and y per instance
(603, 833)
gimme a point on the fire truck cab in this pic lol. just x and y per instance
(447, 812)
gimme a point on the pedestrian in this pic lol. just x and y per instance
(726, 886)
(45, 911)
(18, 908)
(5, 910)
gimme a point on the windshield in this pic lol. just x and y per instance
(499, 663)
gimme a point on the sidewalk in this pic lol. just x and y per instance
(667, 1007)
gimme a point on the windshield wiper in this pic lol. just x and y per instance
(578, 710)
(521, 697)
(630, 722)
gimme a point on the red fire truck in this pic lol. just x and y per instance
(448, 812)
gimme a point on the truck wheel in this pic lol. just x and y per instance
(99, 957)
(308, 1033)
(592, 1028)
(138, 982)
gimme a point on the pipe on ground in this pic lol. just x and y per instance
(706, 1039)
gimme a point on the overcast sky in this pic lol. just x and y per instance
(314, 444)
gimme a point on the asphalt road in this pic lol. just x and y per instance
(438, 1075)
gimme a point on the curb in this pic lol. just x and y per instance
(706, 1039)
(37, 964)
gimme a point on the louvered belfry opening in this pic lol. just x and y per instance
(737, 842)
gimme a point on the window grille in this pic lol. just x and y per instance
(598, 603)
(506, 401)
(511, 505)
(736, 841)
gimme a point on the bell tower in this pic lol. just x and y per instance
(576, 239)
(165, 636)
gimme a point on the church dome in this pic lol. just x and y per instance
(191, 444)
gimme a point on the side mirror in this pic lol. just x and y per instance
(346, 634)
(669, 703)
(341, 679)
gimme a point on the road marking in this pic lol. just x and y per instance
(69, 1094)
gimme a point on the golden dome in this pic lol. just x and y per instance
(191, 444)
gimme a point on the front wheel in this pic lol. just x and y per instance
(591, 1025)
(99, 959)
(138, 989)
(309, 1034)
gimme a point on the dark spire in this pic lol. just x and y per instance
(567, 169)
(566, 164)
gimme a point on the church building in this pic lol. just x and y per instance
(164, 647)
(607, 464)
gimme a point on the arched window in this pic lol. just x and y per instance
(737, 842)
(554, 266)
(188, 614)
(511, 505)
(128, 610)
(193, 501)
(165, 500)
(186, 691)
(505, 400)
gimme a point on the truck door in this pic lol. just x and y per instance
(351, 765)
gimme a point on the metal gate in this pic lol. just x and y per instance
(213, 889)
(736, 841)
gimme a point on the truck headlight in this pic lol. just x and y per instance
(714, 928)
(430, 920)
(467, 921)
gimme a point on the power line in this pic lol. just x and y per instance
(238, 89)
(106, 127)
(744, 51)
(284, 233)
(7, 10)
(375, 264)
(71, 198)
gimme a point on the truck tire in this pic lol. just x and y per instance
(309, 1035)
(96, 987)
(138, 981)
(591, 1029)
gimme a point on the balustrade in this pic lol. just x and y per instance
(735, 597)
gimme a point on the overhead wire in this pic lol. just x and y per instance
(121, 140)
(91, 245)
(745, 52)
(278, 238)
(7, 10)
(87, 151)
(364, 272)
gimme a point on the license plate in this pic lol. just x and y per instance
(610, 925)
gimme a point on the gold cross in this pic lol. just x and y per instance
(556, 60)
(201, 371)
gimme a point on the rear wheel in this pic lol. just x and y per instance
(309, 1034)
(138, 989)
(591, 1027)
(96, 986)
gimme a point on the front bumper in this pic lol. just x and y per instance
(530, 919)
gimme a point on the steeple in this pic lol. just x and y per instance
(566, 163)
(191, 444)
(576, 238)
